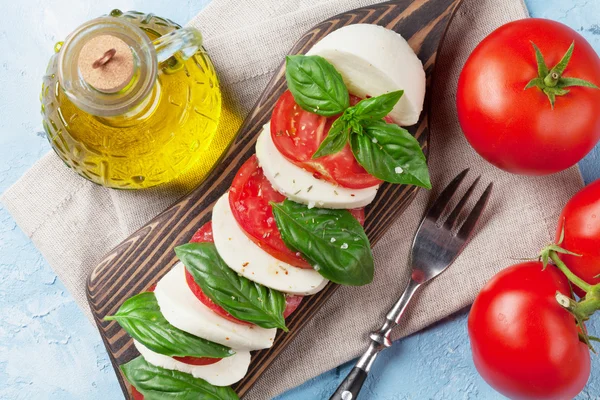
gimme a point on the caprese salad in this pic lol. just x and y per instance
(291, 221)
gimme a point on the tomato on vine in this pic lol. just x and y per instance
(524, 343)
(527, 332)
(580, 222)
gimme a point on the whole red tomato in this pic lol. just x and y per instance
(581, 221)
(524, 344)
(518, 129)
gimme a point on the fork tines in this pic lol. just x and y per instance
(441, 203)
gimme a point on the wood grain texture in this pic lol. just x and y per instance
(143, 258)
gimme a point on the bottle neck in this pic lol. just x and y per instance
(93, 100)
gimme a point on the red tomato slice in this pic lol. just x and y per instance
(249, 199)
(297, 135)
(208, 302)
(204, 234)
(291, 303)
(359, 214)
(197, 360)
(135, 394)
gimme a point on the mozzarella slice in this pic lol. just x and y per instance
(245, 257)
(300, 185)
(374, 60)
(184, 311)
(223, 373)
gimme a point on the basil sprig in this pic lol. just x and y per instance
(239, 296)
(390, 153)
(156, 383)
(353, 120)
(141, 318)
(318, 88)
(316, 85)
(332, 241)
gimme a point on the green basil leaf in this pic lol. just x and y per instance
(390, 153)
(331, 240)
(141, 318)
(156, 383)
(316, 85)
(239, 296)
(375, 108)
(336, 139)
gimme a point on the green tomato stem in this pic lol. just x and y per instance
(574, 279)
(594, 338)
(570, 305)
(587, 306)
(581, 310)
(551, 80)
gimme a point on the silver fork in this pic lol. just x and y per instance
(435, 246)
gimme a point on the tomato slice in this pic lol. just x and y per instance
(291, 303)
(249, 198)
(359, 214)
(297, 135)
(208, 302)
(203, 235)
(135, 394)
(197, 360)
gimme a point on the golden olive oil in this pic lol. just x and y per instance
(153, 142)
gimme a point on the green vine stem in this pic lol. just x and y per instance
(575, 280)
(582, 309)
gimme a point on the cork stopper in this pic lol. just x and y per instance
(106, 63)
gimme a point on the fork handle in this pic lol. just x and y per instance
(380, 339)
(350, 387)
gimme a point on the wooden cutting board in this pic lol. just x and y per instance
(143, 258)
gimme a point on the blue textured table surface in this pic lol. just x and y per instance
(49, 350)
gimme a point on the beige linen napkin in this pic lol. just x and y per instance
(73, 222)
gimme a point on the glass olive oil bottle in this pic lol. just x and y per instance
(130, 100)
